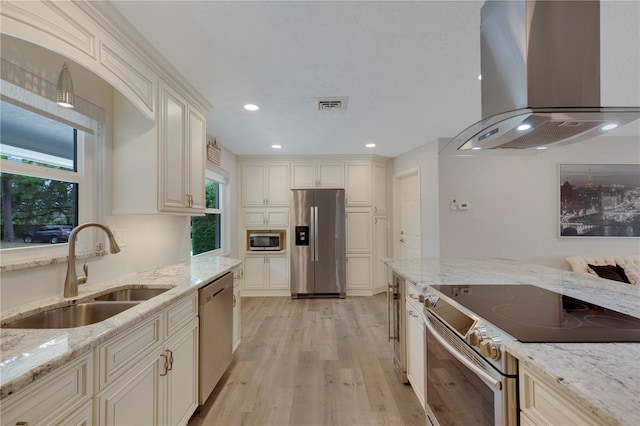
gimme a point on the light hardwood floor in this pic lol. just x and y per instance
(312, 362)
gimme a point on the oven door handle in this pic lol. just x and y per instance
(471, 366)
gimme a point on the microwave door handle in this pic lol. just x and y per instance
(480, 373)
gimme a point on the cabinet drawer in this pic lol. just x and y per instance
(181, 312)
(53, 397)
(118, 354)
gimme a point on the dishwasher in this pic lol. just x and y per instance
(215, 309)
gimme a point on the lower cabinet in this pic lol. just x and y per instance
(264, 274)
(159, 384)
(64, 397)
(237, 317)
(542, 403)
(181, 378)
(359, 274)
(145, 375)
(136, 398)
(415, 349)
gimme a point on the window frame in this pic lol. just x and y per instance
(222, 210)
(90, 153)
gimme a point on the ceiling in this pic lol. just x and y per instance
(409, 70)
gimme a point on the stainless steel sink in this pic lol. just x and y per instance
(129, 294)
(72, 316)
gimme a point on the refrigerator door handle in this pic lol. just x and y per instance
(312, 232)
(315, 234)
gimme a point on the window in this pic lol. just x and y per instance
(207, 232)
(47, 183)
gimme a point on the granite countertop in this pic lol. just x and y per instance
(603, 378)
(27, 355)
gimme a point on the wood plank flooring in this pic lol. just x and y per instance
(312, 362)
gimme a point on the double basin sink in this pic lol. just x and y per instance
(89, 312)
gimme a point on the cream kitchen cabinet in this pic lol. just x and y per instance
(358, 231)
(379, 252)
(159, 167)
(265, 184)
(379, 189)
(358, 184)
(415, 342)
(257, 218)
(148, 374)
(57, 399)
(181, 376)
(238, 277)
(359, 274)
(317, 175)
(543, 403)
(182, 135)
(266, 273)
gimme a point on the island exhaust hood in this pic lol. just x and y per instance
(540, 63)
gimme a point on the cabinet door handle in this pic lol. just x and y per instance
(165, 364)
(170, 359)
(22, 423)
(234, 300)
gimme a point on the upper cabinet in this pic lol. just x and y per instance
(379, 189)
(181, 145)
(265, 184)
(317, 175)
(358, 184)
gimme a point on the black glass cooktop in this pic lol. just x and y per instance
(534, 315)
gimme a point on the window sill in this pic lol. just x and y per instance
(46, 262)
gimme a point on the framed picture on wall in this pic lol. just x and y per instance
(599, 200)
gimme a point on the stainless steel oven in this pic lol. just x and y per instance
(466, 386)
(397, 328)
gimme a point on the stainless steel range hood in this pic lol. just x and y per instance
(540, 63)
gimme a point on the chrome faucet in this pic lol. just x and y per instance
(72, 280)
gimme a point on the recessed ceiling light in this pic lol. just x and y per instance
(476, 148)
(276, 146)
(251, 107)
(370, 145)
(609, 126)
(524, 127)
(541, 147)
(479, 76)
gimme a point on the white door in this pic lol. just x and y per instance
(407, 235)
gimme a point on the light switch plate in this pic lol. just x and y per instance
(122, 236)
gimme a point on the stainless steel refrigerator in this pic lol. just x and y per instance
(318, 261)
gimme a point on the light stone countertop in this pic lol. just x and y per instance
(603, 378)
(27, 355)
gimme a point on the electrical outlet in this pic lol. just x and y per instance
(463, 205)
(122, 236)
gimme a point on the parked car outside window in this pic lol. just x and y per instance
(49, 234)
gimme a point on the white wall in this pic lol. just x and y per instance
(514, 204)
(426, 159)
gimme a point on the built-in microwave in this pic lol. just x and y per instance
(266, 240)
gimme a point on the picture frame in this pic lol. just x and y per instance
(599, 200)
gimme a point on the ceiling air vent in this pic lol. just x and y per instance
(332, 104)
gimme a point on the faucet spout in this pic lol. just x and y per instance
(72, 280)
